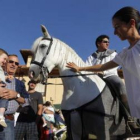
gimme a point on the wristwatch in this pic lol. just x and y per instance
(18, 95)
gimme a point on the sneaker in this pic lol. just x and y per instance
(2, 122)
(44, 124)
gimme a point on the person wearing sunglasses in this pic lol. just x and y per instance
(17, 88)
(103, 55)
(28, 122)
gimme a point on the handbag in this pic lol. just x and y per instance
(23, 110)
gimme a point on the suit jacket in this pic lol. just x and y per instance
(20, 88)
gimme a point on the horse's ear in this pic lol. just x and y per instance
(44, 31)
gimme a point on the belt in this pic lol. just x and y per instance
(9, 116)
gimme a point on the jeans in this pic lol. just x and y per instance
(118, 83)
(7, 133)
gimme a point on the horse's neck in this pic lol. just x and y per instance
(67, 54)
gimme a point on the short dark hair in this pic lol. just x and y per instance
(100, 39)
(32, 81)
(47, 103)
(125, 14)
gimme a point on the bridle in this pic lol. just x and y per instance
(41, 64)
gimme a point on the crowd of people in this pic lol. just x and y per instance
(41, 121)
(24, 107)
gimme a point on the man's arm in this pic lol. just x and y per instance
(40, 104)
(20, 100)
(39, 113)
(10, 94)
(7, 93)
(40, 109)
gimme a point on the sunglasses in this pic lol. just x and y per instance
(105, 41)
(11, 61)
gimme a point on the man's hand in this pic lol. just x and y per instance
(9, 77)
(7, 93)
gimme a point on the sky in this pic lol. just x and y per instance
(76, 22)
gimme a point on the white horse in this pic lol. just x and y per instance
(87, 103)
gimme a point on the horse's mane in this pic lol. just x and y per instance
(35, 44)
(76, 57)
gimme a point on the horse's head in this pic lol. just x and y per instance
(41, 64)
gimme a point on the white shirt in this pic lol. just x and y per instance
(95, 61)
(129, 59)
(2, 75)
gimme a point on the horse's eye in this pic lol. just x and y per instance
(42, 46)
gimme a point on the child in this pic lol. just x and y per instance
(3, 102)
(48, 122)
(48, 114)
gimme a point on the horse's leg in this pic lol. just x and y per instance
(95, 121)
(74, 125)
(117, 131)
